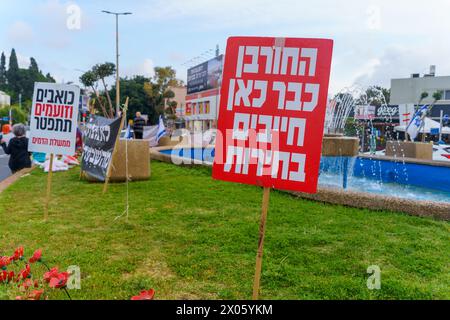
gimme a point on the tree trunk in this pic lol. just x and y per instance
(111, 111)
(105, 114)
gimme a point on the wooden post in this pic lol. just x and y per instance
(262, 231)
(49, 186)
(108, 171)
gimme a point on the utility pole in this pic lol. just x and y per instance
(117, 14)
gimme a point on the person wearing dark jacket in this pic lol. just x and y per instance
(138, 126)
(17, 149)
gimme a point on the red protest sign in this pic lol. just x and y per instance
(272, 111)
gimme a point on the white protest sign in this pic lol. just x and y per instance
(54, 114)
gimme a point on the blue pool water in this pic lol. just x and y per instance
(403, 180)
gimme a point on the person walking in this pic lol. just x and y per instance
(17, 149)
(138, 126)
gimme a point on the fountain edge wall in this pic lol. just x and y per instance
(437, 210)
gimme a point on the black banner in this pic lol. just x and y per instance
(99, 138)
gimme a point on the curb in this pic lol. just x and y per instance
(13, 178)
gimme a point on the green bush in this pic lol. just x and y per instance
(18, 115)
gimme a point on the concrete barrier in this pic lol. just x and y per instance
(408, 149)
(13, 178)
(138, 162)
(436, 210)
(333, 145)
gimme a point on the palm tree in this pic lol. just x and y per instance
(88, 79)
(103, 71)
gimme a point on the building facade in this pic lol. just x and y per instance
(203, 95)
(202, 110)
(409, 90)
(5, 100)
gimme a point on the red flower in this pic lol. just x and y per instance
(50, 274)
(23, 274)
(36, 256)
(145, 295)
(27, 284)
(35, 294)
(4, 262)
(18, 254)
(6, 276)
(59, 281)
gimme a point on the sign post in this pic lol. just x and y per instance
(262, 232)
(53, 124)
(122, 122)
(49, 187)
(271, 120)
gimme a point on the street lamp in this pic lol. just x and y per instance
(117, 14)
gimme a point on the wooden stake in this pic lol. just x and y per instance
(49, 187)
(262, 231)
(122, 122)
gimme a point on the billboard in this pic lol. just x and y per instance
(387, 112)
(205, 76)
(272, 112)
(364, 112)
(54, 115)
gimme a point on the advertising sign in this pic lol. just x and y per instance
(272, 111)
(205, 76)
(387, 112)
(99, 141)
(54, 115)
(364, 112)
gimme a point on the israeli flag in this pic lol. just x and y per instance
(161, 129)
(417, 122)
(128, 134)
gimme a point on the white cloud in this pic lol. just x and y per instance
(401, 62)
(146, 68)
(59, 25)
(20, 33)
(24, 62)
(374, 40)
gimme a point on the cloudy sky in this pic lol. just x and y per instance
(374, 40)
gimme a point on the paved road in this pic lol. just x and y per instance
(4, 169)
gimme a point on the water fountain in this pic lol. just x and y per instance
(395, 182)
(335, 144)
(350, 177)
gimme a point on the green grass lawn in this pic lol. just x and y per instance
(191, 237)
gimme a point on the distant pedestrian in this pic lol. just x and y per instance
(79, 141)
(138, 126)
(17, 149)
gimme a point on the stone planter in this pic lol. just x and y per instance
(407, 149)
(338, 145)
(138, 162)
